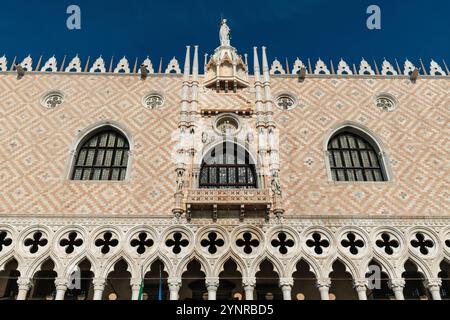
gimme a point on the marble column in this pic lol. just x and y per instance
(212, 285)
(61, 288)
(99, 287)
(286, 285)
(397, 285)
(361, 288)
(135, 288)
(249, 285)
(24, 285)
(434, 285)
(324, 288)
(174, 288)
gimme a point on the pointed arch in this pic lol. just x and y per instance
(39, 262)
(228, 165)
(353, 153)
(349, 267)
(110, 264)
(277, 267)
(183, 265)
(220, 264)
(119, 142)
(147, 264)
(311, 262)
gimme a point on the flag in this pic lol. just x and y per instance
(160, 293)
(141, 290)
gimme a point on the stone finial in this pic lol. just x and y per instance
(277, 68)
(50, 65)
(365, 68)
(344, 68)
(321, 67)
(3, 64)
(388, 69)
(147, 63)
(123, 66)
(298, 65)
(98, 66)
(173, 66)
(436, 69)
(27, 63)
(408, 68)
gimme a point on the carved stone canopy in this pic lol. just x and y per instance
(226, 70)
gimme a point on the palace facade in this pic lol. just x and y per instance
(286, 182)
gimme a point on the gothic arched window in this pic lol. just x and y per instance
(228, 166)
(102, 156)
(354, 156)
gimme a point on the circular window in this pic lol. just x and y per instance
(153, 101)
(286, 101)
(227, 125)
(386, 102)
(52, 99)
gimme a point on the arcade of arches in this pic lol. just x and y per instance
(229, 285)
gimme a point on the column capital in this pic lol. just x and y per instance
(360, 284)
(61, 283)
(249, 281)
(286, 282)
(212, 282)
(323, 282)
(24, 283)
(397, 283)
(433, 283)
(136, 282)
(174, 282)
(99, 283)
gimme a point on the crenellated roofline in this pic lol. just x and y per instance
(317, 68)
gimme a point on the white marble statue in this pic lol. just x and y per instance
(225, 33)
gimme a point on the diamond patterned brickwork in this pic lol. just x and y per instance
(36, 144)
(415, 135)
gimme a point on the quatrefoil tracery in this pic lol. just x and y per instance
(178, 243)
(318, 243)
(36, 242)
(247, 243)
(352, 243)
(212, 242)
(4, 240)
(141, 243)
(71, 242)
(389, 245)
(422, 244)
(283, 243)
(106, 243)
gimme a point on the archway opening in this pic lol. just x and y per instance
(228, 166)
(379, 288)
(445, 277)
(305, 283)
(414, 283)
(81, 288)
(193, 283)
(230, 283)
(8, 281)
(118, 285)
(44, 282)
(342, 287)
(268, 283)
(155, 283)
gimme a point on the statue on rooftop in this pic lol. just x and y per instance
(225, 33)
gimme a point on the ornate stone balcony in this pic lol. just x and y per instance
(213, 200)
(229, 196)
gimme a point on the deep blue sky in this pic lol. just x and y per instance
(289, 28)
